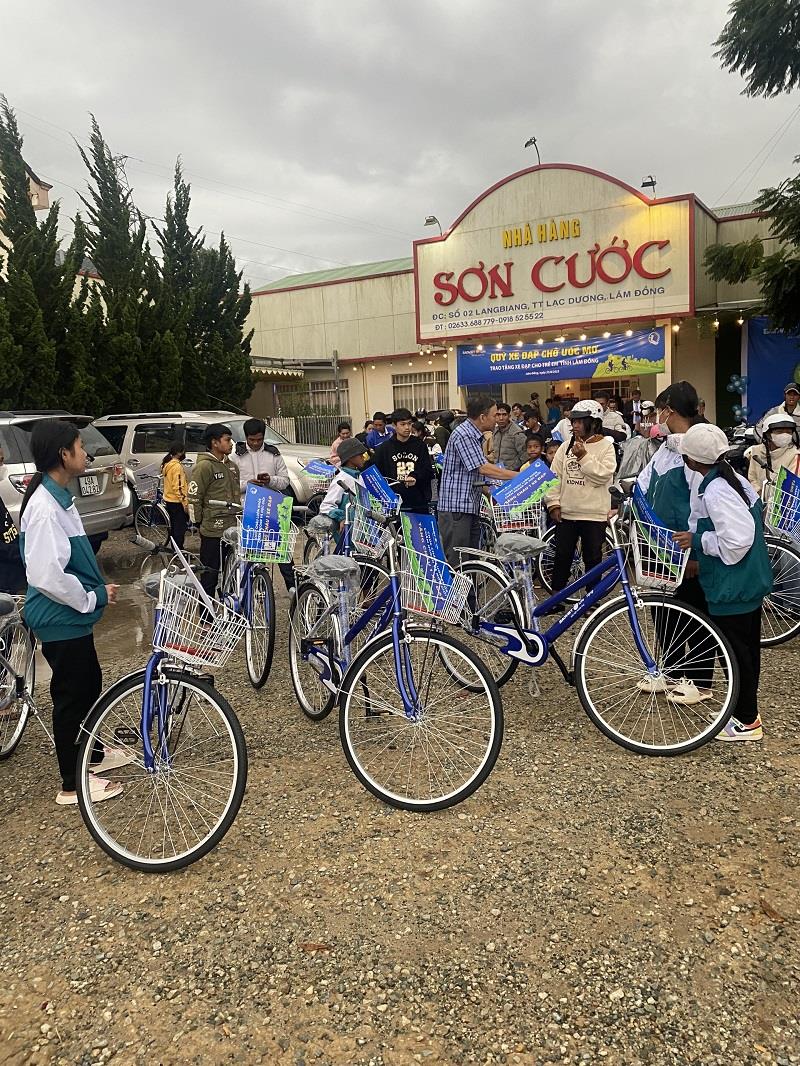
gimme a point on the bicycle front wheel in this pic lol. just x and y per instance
(16, 646)
(447, 750)
(172, 816)
(314, 649)
(780, 617)
(151, 522)
(637, 710)
(259, 638)
(493, 602)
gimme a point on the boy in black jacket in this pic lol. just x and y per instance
(406, 459)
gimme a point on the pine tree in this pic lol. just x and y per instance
(37, 353)
(11, 366)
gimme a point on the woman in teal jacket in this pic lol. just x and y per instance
(66, 598)
(726, 533)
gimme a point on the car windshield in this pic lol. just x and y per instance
(93, 440)
(271, 436)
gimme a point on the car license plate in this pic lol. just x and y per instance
(90, 486)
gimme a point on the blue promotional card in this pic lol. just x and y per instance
(785, 506)
(662, 551)
(318, 469)
(425, 554)
(266, 522)
(527, 489)
(381, 497)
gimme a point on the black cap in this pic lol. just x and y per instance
(791, 387)
(350, 448)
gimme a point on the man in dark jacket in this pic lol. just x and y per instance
(510, 442)
(406, 459)
(214, 482)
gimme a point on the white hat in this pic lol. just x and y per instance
(648, 405)
(777, 419)
(586, 409)
(704, 443)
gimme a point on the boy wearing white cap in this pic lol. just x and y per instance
(726, 533)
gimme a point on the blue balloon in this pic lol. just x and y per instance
(731, 388)
(743, 381)
(745, 411)
(734, 378)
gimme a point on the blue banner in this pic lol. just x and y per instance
(266, 522)
(773, 359)
(317, 469)
(528, 488)
(597, 357)
(380, 497)
(784, 510)
(425, 555)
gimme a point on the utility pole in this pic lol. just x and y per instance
(336, 378)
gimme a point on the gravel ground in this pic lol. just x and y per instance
(586, 905)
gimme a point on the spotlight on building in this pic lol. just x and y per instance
(606, 335)
(628, 332)
(649, 183)
(432, 220)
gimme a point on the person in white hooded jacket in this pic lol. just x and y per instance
(780, 448)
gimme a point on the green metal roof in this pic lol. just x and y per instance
(735, 209)
(347, 273)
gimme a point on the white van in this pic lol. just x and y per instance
(143, 439)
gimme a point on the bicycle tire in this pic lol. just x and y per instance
(152, 523)
(315, 699)
(312, 549)
(259, 662)
(16, 645)
(124, 699)
(502, 667)
(313, 505)
(544, 563)
(656, 714)
(377, 708)
(780, 616)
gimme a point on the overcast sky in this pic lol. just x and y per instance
(322, 132)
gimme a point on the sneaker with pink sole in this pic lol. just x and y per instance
(736, 730)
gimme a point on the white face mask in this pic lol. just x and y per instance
(780, 440)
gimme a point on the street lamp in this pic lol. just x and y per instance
(532, 142)
(649, 183)
(432, 220)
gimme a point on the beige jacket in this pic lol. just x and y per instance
(583, 489)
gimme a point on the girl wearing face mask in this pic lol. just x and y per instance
(779, 448)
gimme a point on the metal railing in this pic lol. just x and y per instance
(308, 429)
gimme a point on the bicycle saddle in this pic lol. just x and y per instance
(231, 536)
(320, 523)
(510, 544)
(7, 605)
(335, 568)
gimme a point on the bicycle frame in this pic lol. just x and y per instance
(535, 646)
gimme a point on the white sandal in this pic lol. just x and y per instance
(100, 788)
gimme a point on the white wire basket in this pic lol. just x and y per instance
(781, 511)
(147, 489)
(525, 518)
(658, 561)
(367, 536)
(430, 587)
(186, 629)
(266, 545)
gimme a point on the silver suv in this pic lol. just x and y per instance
(101, 495)
(143, 439)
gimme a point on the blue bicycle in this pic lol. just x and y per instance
(416, 734)
(184, 760)
(652, 673)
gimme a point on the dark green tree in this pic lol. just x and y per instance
(36, 352)
(762, 42)
(11, 367)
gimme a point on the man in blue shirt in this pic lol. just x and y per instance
(465, 465)
(380, 432)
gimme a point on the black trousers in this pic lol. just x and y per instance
(178, 521)
(568, 533)
(744, 635)
(76, 683)
(687, 652)
(458, 530)
(211, 559)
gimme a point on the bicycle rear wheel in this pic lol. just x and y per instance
(447, 751)
(544, 562)
(632, 708)
(16, 645)
(175, 814)
(313, 657)
(780, 616)
(151, 522)
(259, 638)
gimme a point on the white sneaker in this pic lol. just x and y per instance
(649, 683)
(685, 692)
(113, 759)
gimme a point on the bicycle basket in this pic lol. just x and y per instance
(367, 536)
(430, 587)
(528, 517)
(781, 511)
(187, 631)
(147, 489)
(658, 562)
(267, 545)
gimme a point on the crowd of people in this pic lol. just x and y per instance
(676, 456)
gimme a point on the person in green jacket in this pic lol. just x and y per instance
(726, 533)
(214, 480)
